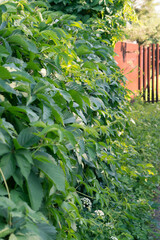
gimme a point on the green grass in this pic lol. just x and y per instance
(145, 128)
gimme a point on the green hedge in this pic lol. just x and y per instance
(66, 166)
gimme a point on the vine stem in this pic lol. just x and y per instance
(85, 195)
(9, 196)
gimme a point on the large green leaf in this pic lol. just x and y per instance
(54, 173)
(53, 128)
(4, 149)
(56, 111)
(23, 42)
(90, 65)
(26, 138)
(76, 97)
(19, 110)
(3, 52)
(7, 164)
(6, 231)
(83, 49)
(6, 203)
(49, 34)
(24, 165)
(22, 76)
(4, 87)
(4, 73)
(38, 231)
(35, 191)
(26, 153)
(47, 232)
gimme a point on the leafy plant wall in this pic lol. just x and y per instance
(65, 168)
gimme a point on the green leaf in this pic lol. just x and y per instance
(22, 76)
(76, 97)
(68, 117)
(4, 149)
(35, 191)
(26, 154)
(7, 164)
(4, 73)
(3, 190)
(23, 42)
(70, 137)
(83, 49)
(53, 128)
(33, 117)
(26, 138)
(44, 157)
(47, 232)
(3, 52)
(77, 24)
(38, 231)
(54, 173)
(6, 88)
(57, 113)
(18, 177)
(65, 95)
(12, 237)
(23, 164)
(102, 66)
(6, 203)
(59, 32)
(90, 65)
(19, 110)
(49, 34)
(6, 231)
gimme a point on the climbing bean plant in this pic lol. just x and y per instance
(65, 170)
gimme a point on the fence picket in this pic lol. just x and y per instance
(157, 70)
(140, 67)
(145, 72)
(153, 70)
(149, 68)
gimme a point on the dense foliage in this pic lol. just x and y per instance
(68, 169)
(108, 15)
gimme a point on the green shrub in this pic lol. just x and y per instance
(67, 162)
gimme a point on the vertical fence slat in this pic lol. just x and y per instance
(140, 76)
(153, 70)
(149, 69)
(144, 72)
(157, 70)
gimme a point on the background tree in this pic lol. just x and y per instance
(146, 29)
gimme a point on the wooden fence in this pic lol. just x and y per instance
(148, 81)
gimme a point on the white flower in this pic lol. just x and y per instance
(43, 72)
(114, 238)
(86, 203)
(99, 213)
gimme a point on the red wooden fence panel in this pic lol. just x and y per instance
(140, 65)
(127, 55)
